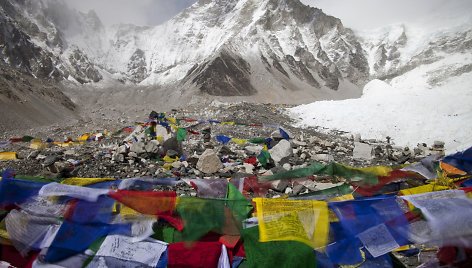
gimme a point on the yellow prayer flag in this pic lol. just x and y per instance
(239, 141)
(128, 213)
(376, 170)
(5, 156)
(4, 234)
(424, 189)
(84, 137)
(38, 145)
(172, 120)
(228, 123)
(169, 159)
(304, 221)
(342, 198)
(85, 181)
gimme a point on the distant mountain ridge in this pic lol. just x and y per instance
(227, 48)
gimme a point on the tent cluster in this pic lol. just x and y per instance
(107, 222)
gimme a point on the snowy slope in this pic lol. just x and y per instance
(410, 108)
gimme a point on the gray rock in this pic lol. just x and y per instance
(362, 151)
(177, 164)
(249, 168)
(287, 166)
(118, 158)
(253, 149)
(133, 154)
(288, 190)
(138, 147)
(209, 162)
(33, 155)
(50, 160)
(297, 189)
(438, 144)
(172, 144)
(279, 185)
(281, 150)
(152, 147)
(123, 149)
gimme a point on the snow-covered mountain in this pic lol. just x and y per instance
(398, 49)
(220, 47)
(265, 49)
(421, 89)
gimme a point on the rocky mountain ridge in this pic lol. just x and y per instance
(292, 46)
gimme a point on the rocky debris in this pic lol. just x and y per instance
(136, 154)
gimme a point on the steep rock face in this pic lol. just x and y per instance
(83, 70)
(18, 51)
(225, 75)
(35, 39)
(137, 66)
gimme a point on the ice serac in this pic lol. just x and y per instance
(396, 50)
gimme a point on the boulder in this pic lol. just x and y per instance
(362, 151)
(209, 162)
(138, 147)
(152, 147)
(281, 150)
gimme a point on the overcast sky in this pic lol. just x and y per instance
(358, 14)
(139, 12)
(369, 14)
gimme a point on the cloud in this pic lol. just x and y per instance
(139, 12)
(369, 14)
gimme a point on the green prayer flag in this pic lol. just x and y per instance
(27, 138)
(237, 202)
(167, 234)
(181, 134)
(200, 216)
(257, 140)
(277, 253)
(264, 157)
(332, 169)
